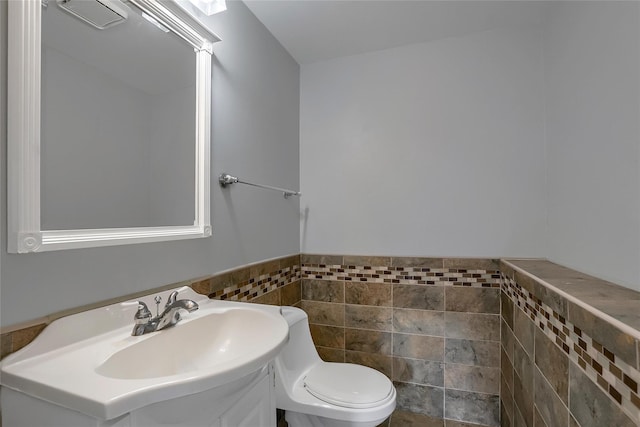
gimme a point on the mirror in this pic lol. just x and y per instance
(108, 128)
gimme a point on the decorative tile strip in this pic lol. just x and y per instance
(618, 379)
(403, 275)
(257, 286)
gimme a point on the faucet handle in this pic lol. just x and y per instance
(143, 315)
(172, 298)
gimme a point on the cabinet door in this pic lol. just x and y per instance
(254, 409)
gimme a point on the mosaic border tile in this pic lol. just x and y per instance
(403, 275)
(257, 286)
(613, 375)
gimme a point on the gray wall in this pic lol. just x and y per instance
(442, 147)
(592, 69)
(254, 135)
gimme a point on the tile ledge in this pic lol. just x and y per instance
(630, 330)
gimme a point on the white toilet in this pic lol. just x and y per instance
(315, 393)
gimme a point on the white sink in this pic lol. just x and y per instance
(90, 363)
(207, 342)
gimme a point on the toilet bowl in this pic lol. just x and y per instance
(315, 393)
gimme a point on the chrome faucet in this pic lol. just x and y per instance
(145, 322)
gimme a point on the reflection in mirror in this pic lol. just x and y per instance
(108, 129)
(117, 123)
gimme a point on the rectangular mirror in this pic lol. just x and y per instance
(108, 124)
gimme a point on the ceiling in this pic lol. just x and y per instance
(317, 30)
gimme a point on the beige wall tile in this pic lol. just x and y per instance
(372, 261)
(270, 298)
(471, 352)
(538, 421)
(418, 371)
(472, 300)
(472, 378)
(418, 297)
(327, 336)
(290, 261)
(202, 286)
(416, 262)
(368, 293)
(506, 368)
(421, 399)
(324, 313)
(229, 279)
(321, 259)
(329, 354)
(264, 268)
(621, 344)
(368, 317)
(401, 418)
(375, 342)
(471, 263)
(323, 290)
(551, 409)
(543, 293)
(379, 362)
(6, 344)
(470, 407)
(421, 322)
(418, 347)
(24, 336)
(506, 400)
(474, 326)
(507, 309)
(523, 330)
(590, 406)
(553, 363)
(291, 294)
(523, 399)
(523, 365)
(507, 340)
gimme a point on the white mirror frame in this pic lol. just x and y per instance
(23, 134)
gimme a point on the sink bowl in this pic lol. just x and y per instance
(90, 363)
(202, 344)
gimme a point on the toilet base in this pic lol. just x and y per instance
(297, 419)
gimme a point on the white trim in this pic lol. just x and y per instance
(23, 132)
(23, 126)
(169, 14)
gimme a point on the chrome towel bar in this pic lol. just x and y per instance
(225, 179)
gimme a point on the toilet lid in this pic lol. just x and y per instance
(348, 385)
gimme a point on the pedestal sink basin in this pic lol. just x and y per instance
(205, 343)
(90, 363)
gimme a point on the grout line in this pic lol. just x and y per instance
(544, 377)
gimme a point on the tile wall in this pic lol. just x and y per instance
(561, 365)
(431, 325)
(442, 330)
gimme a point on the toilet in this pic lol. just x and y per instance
(315, 393)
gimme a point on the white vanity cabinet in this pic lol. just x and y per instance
(255, 408)
(248, 402)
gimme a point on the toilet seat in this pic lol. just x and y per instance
(348, 385)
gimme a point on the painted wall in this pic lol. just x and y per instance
(254, 135)
(431, 149)
(592, 81)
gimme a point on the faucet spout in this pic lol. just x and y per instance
(169, 317)
(171, 314)
(185, 304)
